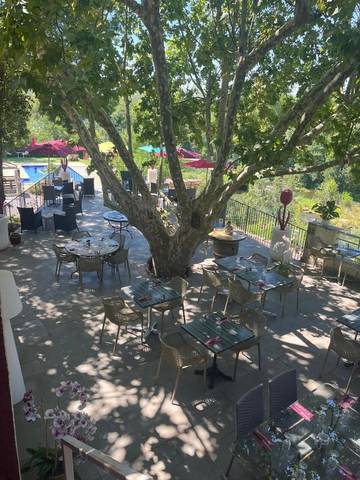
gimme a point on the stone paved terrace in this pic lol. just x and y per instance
(57, 336)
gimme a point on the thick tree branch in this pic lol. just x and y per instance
(134, 6)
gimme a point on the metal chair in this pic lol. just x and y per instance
(66, 222)
(259, 259)
(62, 256)
(67, 202)
(180, 286)
(249, 414)
(78, 203)
(80, 234)
(214, 280)
(255, 321)
(296, 274)
(68, 187)
(49, 194)
(240, 295)
(88, 186)
(29, 220)
(120, 257)
(90, 264)
(282, 392)
(182, 353)
(344, 348)
(120, 313)
(118, 238)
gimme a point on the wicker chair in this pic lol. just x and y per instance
(249, 414)
(81, 234)
(118, 237)
(259, 259)
(255, 320)
(49, 194)
(120, 257)
(240, 295)
(180, 286)
(344, 348)
(282, 392)
(182, 353)
(120, 313)
(213, 280)
(62, 256)
(322, 251)
(296, 274)
(90, 264)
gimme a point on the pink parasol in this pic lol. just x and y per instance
(182, 152)
(202, 163)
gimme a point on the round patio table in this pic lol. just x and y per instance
(92, 246)
(117, 220)
(226, 245)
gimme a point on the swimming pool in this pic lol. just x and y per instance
(34, 172)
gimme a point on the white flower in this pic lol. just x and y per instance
(49, 413)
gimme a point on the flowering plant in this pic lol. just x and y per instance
(286, 197)
(59, 423)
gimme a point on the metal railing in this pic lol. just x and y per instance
(259, 225)
(121, 471)
(33, 195)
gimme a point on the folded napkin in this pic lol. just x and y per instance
(302, 411)
(346, 402)
(260, 283)
(145, 298)
(213, 341)
(264, 441)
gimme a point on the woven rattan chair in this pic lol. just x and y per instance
(259, 259)
(79, 235)
(62, 256)
(240, 295)
(249, 414)
(180, 351)
(120, 257)
(296, 274)
(180, 286)
(90, 264)
(255, 320)
(215, 281)
(120, 313)
(322, 251)
(344, 348)
(118, 237)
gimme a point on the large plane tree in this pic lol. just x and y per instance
(254, 82)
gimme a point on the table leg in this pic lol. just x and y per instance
(213, 372)
(339, 270)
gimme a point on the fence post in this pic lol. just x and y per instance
(246, 218)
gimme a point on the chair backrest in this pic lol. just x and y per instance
(120, 256)
(57, 182)
(282, 392)
(49, 192)
(89, 264)
(79, 235)
(344, 347)
(240, 294)
(254, 320)
(211, 278)
(296, 274)
(170, 352)
(180, 285)
(260, 259)
(249, 411)
(26, 216)
(68, 187)
(62, 254)
(112, 307)
(88, 186)
(66, 222)
(118, 238)
(66, 202)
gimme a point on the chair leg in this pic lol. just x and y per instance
(297, 300)
(259, 355)
(230, 465)
(162, 322)
(117, 269)
(116, 340)
(183, 312)
(157, 375)
(201, 290)
(176, 384)
(351, 377)
(283, 300)
(128, 269)
(235, 365)
(205, 373)
(142, 328)
(324, 363)
(102, 330)
(213, 301)
(81, 279)
(226, 304)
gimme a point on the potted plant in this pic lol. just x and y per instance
(280, 247)
(327, 211)
(47, 458)
(13, 227)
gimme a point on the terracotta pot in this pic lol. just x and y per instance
(15, 238)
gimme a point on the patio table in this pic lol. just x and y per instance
(217, 333)
(92, 246)
(117, 220)
(351, 321)
(346, 254)
(317, 430)
(148, 294)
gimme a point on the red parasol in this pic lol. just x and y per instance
(202, 163)
(182, 152)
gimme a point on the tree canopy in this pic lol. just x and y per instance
(269, 88)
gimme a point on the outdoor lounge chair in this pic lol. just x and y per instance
(120, 313)
(49, 194)
(29, 220)
(66, 222)
(181, 352)
(249, 414)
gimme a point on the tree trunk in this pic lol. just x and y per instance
(128, 124)
(2, 131)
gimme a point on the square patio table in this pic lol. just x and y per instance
(351, 321)
(253, 273)
(217, 333)
(346, 254)
(148, 294)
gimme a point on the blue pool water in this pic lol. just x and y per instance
(35, 173)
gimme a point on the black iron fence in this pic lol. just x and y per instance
(259, 225)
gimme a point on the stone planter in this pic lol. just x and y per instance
(280, 247)
(4, 232)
